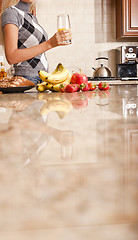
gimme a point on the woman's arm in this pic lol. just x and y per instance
(15, 55)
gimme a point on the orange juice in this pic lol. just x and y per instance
(63, 23)
(62, 29)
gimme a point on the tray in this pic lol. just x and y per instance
(15, 89)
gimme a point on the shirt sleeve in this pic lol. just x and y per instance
(10, 15)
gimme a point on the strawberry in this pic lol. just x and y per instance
(92, 86)
(62, 87)
(106, 86)
(78, 86)
(84, 87)
(71, 88)
(100, 86)
(103, 86)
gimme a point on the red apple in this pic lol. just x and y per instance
(78, 78)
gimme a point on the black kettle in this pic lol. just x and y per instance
(101, 71)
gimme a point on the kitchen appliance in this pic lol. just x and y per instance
(127, 54)
(127, 70)
(101, 78)
(102, 71)
(127, 60)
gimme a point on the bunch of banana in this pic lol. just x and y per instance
(52, 81)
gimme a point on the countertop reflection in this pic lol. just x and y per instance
(68, 165)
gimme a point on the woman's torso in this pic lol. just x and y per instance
(30, 34)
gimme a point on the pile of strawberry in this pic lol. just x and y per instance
(79, 82)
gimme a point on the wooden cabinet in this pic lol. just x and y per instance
(126, 18)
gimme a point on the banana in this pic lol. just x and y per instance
(56, 87)
(58, 76)
(41, 87)
(59, 68)
(43, 75)
(49, 86)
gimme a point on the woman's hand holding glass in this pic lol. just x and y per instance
(63, 24)
(63, 35)
(61, 38)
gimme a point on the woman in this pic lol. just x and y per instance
(25, 41)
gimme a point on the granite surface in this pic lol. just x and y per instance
(69, 165)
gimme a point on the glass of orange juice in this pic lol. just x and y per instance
(63, 23)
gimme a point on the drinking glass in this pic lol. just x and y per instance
(63, 23)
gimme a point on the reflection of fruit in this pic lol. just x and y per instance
(80, 103)
(60, 107)
(58, 76)
(51, 96)
(92, 94)
(78, 78)
(71, 97)
(78, 99)
(86, 94)
(104, 94)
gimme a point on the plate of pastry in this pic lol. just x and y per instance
(15, 84)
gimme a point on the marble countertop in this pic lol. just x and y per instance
(69, 165)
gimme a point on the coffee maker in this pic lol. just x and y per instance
(127, 60)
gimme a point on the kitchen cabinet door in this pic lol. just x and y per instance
(126, 18)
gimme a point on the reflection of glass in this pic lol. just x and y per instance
(63, 23)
